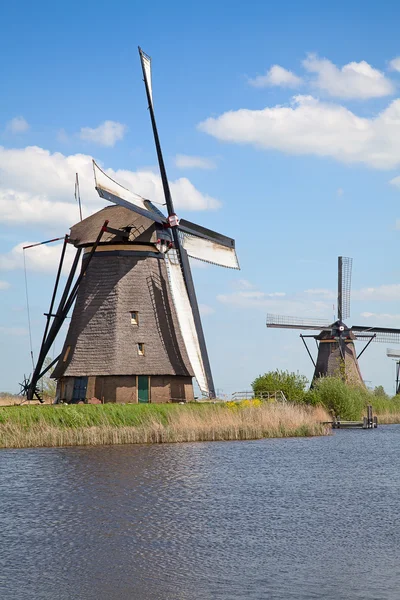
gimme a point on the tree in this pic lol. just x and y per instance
(47, 385)
(293, 385)
(379, 391)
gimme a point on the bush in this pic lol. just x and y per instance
(293, 385)
(379, 392)
(346, 401)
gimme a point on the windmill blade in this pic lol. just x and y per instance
(186, 320)
(207, 245)
(191, 306)
(114, 192)
(344, 286)
(285, 322)
(382, 334)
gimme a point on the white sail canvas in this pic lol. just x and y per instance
(186, 321)
(210, 251)
(146, 62)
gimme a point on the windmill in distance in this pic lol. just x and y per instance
(395, 354)
(336, 350)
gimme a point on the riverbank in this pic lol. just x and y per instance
(94, 425)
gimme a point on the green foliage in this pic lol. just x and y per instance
(346, 401)
(379, 392)
(293, 385)
(46, 385)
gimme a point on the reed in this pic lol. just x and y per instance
(76, 425)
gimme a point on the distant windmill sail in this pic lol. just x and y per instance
(344, 287)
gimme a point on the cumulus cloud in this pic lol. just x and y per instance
(106, 134)
(386, 293)
(275, 302)
(183, 161)
(394, 64)
(17, 125)
(276, 76)
(356, 80)
(44, 259)
(4, 285)
(37, 187)
(309, 126)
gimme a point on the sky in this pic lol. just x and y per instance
(280, 127)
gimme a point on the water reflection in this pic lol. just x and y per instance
(276, 519)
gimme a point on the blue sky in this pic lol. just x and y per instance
(305, 157)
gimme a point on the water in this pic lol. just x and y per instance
(275, 519)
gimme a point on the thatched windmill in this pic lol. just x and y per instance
(135, 333)
(336, 350)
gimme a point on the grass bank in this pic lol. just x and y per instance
(92, 425)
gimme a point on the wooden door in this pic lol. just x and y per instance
(143, 388)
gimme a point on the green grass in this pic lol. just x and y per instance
(64, 425)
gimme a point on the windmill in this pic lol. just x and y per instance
(336, 350)
(395, 354)
(135, 332)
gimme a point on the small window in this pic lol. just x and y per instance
(135, 317)
(68, 350)
(140, 348)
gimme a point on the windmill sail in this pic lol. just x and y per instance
(146, 65)
(186, 320)
(344, 286)
(210, 251)
(114, 192)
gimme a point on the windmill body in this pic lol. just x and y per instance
(337, 356)
(124, 343)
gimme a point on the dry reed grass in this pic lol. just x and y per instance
(181, 424)
(16, 401)
(388, 418)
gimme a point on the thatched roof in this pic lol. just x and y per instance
(141, 228)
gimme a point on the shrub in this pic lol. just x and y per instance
(293, 385)
(348, 402)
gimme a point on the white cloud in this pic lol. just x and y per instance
(17, 125)
(380, 293)
(355, 80)
(243, 284)
(43, 259)
(320, 292)
(106, 134)
(4, 285)
(206, 310)
(381, 318)
(183, 161)
(36, 187)
(276, 76)
(384, 293)
(394, 64)
(309, 126)
(340, 192)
